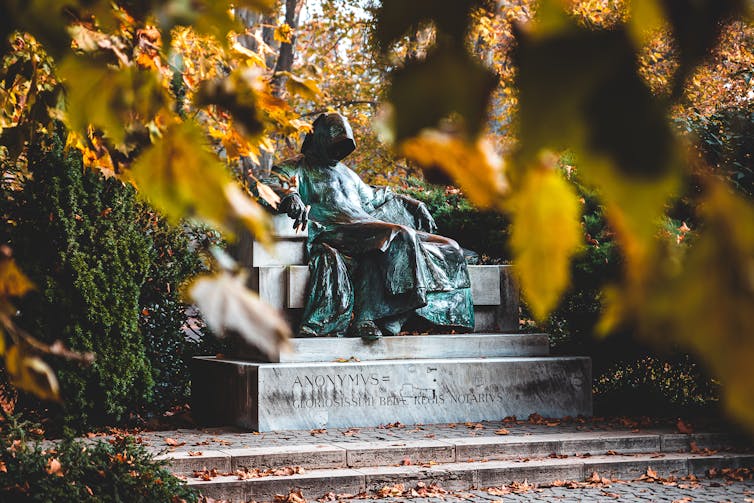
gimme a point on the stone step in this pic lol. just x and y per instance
(331, 349)
(311, 395)
(465, 475)
(448, 450)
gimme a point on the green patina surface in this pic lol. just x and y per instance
(374, 261)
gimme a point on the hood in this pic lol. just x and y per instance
(330, 141)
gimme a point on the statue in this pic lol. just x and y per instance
(373, 259)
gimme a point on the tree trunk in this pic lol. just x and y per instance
(285, 56)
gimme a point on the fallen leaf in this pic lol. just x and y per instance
(173, 442)
(54, 467)
(684, 427)
(502, 431)
(388, 491)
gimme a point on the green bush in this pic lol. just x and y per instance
(485, 232)
(108, 271)
(77, 471)
(661, 386)
(163, 314)
(726, 141)
(77, 236)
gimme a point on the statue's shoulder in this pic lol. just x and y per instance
(288, 165)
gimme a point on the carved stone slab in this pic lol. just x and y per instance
(330, 349)
(294, 396)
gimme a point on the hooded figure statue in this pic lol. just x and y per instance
(374, 263)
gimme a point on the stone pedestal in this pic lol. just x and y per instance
(390, 387)
(328, 382)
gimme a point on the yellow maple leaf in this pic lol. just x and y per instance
(474, 166)
(13, 282)
(546, 232)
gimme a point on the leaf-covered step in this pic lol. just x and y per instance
(313, 484)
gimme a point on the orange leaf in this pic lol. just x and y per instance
(13, 282)
(684, 427)
(54, 467)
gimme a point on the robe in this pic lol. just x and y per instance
(369, 261)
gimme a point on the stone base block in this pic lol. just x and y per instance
(310, 395)
(331, 349)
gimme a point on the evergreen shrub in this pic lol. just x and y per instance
(108, 271)
(78, 471)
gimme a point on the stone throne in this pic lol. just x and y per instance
(350, 382)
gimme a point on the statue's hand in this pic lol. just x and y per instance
(425, 219)
(293, 206)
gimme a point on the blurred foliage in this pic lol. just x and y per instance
(76, 471)
(603, 79)
(158, 97)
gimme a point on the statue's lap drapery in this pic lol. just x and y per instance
(373, 261)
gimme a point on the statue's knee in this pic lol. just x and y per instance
(406, 233)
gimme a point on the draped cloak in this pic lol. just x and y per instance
(368, 258)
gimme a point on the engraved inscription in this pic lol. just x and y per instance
(371, 389)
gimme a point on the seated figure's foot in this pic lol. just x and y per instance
(393, 324)
(392, 327)
(305, 331)
(366, 330)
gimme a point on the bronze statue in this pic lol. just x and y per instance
(373, 259)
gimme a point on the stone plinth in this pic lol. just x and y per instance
(327, 349)
(329, 382)
(307, 395)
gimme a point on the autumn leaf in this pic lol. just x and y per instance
(182, 178)
(683, 427)
(54, 467)
(446, 82)
(13, 282)
(173, 442)
(545, 235)
(473, 165)
(283, 33)
(269, 195)
(248, 211)
(306, 87)
(238, 94)
(107, 98)
(30, 373)
(226, 304)
(502, 431)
